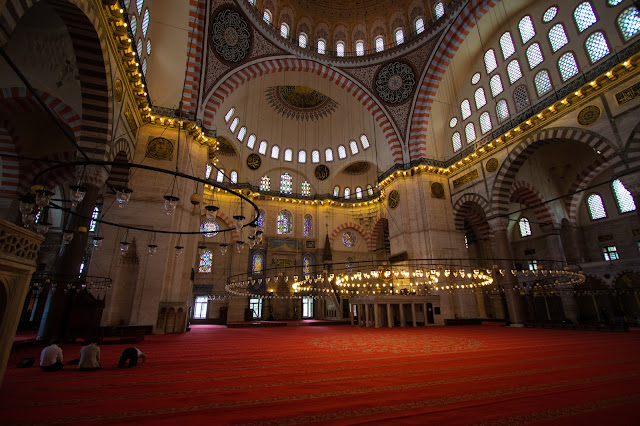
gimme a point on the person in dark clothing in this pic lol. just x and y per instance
(131, 354)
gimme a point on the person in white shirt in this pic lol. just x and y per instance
(131, 354)
(89, 357)
(51, 358)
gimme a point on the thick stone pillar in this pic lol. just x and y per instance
(508, 282)
(424, 311)
(368, 315)
(413, 314)
(389, 316)
(401, 307)
(376, 315)
(351, 314)
(556, 252)
(124, 288)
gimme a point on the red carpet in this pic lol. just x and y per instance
(343, 375)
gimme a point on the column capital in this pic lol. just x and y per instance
(498, 223)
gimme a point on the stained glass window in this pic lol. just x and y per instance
(340, 48)
(439, 8)
(288, 154)
(347, 193)
(542, 81)
(94, 216)
(302, 156)
(233, 177)
(370, 189)
(525, 227)
(349, 264)
(359, 48)
(419, 24)
(257, 263)
(513, 71)
(584, 16)
(285, 222)
(506, 44)
(490, 62)
(284, 30)
(336, 191)
(275, 152)
(502, 110)
(623, 197)
(496, 85)
(251, 142)
(286, 183)
(399, 36)
(262, 148)
(241, 133)
(568, 66)
(596, 207)
(234, 124)
(209, 228)
(358, 193)
(261, 219)
(364, 141)
(229, 114)
(557, 37)
(470, 132)
(550, 14)
(265, 183)
(302, 40)
(353, 146)
(485, 122)
(481, 99)
(308, 225)
(206, 260)
(349, 239)
(342, 151)
(220, 176)
(465, 109)
(305, 189)
(328, 155)
(629, 23)
(456, 140)
(534, 55)
(527, 31)
(306, 266)
(597, 46)
(379, 44)
(322, 47)
(315, 156)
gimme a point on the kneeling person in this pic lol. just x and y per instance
(131, 354)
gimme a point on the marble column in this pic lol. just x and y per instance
(413, 314)
(376, 315)
(389, 316)
(401, 307)
(368, 315)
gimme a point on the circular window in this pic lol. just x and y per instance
(453, 122)
(209, 228)
(349, 239)
(550, 14)
(475, 78)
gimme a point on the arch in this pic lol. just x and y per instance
(382, 222)
(435, 70)
(235, 235)
(525, 193)
(474, 209)
(10, 176)
(119, 174)
(505, 176)
(360, 229)
(195, 47)
(241, 76)
(632, 151)
(121, 145)
(583, 180)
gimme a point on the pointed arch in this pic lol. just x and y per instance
(473, 209)
(235, 235)
(582, 181)
(375, 231)
(525, 193)
(360, 229)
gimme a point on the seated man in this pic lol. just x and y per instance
(51, 358)
(89, 357)
(131, 354)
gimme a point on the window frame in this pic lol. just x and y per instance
(575, 57)
(588, 207)
(586, 50)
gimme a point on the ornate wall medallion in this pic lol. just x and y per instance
(118, 90)
(395, 82)
(589, 115)
(159, 149)
(492, 165)
(128, 114)
(437, 190)
(230, 35)
(254, 161)
(322, 172)
(394, 199)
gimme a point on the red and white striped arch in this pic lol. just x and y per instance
(195, 45)
(235, 235)
(10, 177)
(473, 209)
(526, 194)
(269, 66)
(360, 229)
(582, 181)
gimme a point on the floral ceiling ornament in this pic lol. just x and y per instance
(300, 102)
(231, 36)
(395, 82)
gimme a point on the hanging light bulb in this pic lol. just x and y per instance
(211, 212)
(27, 204)
(224, 248)
(97, 242)
(43, 197)
(237, 222)
(67, 236)
(239, 246)
(252, 241)
(252, 229)
(123, 194)
(153, 248)
(179, 250)
(43, 227)
(124, 247)
(77, 194)
(28, 219)
(170, 204)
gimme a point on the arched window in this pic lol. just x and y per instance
(354, 147)
(597, 46)
(502, 110)
(206, 259)
(305, 189)
(139, 4)
(261, 219)
(144, 66)
(302, 40)
(265, 183)
(145, 23)
(557, 37)
(568, 66)
(439, 9)
(550, 14)
(596, 207)
(349, 239)
(470, 132)
(419, 25)
(465, 109)
(340, 48)
(399, 36)
(359, 193)
(513, 71)
(379, 44)
(241, 133)
(220, 176)
(257, 263)
(336, 191)
(302, 156)
(623, 197)
(284, 30)
(234, 124)
(359, 48)
(134, 24)
(481, 99)
(347, 193)
(207, 171)
(456, 140)
(288, 154)
(234, 176)
(490, 62)
(251, 142)
(507, 46)
(267, 16)
(96, 213)
(369, 189)
(285, 223)
(275, 152)
(315, 156)
(328, 155)
(496, 85)
(308, 225)
(286, 183)
(542, 81)
(527, 31)
(364, 141)
(584, 16)
(534, 56)
(262, 148)
(342, 152)
(485, 122)
(229, 114)
(521, 97)
(148, 47)
(525, 227)
(322, 46)
(629, 23)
